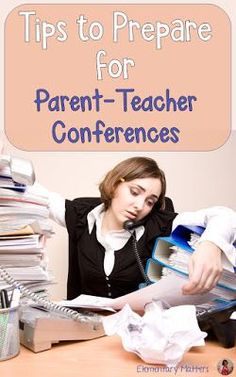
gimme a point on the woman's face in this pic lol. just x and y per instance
(134, 200)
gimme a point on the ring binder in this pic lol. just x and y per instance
(171, 255)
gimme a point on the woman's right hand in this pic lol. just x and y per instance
(205, 269)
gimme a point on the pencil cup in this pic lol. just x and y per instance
(9, 333)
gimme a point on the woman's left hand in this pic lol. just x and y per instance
(205, 269)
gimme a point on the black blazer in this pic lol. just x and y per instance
(86, 255)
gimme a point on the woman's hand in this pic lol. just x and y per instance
(205, 269)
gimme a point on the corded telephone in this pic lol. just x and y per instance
(39, 329)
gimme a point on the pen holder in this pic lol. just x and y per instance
(9, 333)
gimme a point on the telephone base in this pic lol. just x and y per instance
(214, 317)
(40, 330)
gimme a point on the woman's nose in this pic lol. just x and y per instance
(139, 203)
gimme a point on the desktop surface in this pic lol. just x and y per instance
(105, 357)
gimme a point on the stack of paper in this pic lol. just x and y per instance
(171, 256)
(24, 229)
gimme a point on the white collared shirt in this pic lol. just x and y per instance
(111, 241)
(220, 223)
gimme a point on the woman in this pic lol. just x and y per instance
(224, 370)
(101, 259)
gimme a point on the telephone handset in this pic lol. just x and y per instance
(22, 170)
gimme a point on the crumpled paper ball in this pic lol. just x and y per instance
(160, 336)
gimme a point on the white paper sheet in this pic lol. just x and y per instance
(168, 289)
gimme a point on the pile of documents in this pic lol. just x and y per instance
(171, 256)
(24, 229)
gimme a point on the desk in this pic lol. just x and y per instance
(105, 357)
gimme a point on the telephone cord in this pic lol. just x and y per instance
(42, 301)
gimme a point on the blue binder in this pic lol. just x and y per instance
(162, 252)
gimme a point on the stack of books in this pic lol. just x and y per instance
(171, 256)
(24, 229)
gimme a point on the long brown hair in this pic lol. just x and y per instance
(129, 169)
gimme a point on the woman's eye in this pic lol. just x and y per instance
(150, 203)
(134, 192)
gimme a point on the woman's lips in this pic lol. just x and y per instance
(131, 215)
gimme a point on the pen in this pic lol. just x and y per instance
(4, 299)
(11, 297)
